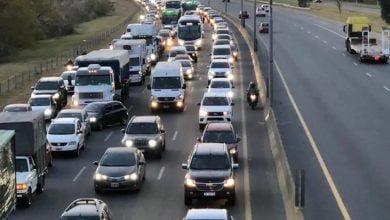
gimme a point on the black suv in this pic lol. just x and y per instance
(209, 174)
(87, 208)
(54, 86)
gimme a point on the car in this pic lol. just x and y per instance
(263, 28)
(176, 50)
(87, 208)
(192, 51)
(183, 57)
(81, 114)
(224, 37)
(69, 80)
(49, 155)
(221, 25)
(265, 8)
(120, 168)
(228, 42)
(223, 85)
(260, 12)
(102, 114)
(215, 107)
(220, 68)
(66, 135)
(222, 132)
(220, 31)
(208, 214)
(210, 174)
(171, 28)
(44, 104)
(17, 108)
(217, 20)
(243, 15)
(222, 52)
(190, 12)
(166, 37)
(188, 68)
(146, 133)
(54, 86)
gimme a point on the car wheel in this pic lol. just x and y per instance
(26, 202)
(41, 186)
(123, 120)
(100, 125)
(187, 200)
(77, 152)
(98, 191)
(232, 200)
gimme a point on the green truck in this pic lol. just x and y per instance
(189, 5)
(170, 17)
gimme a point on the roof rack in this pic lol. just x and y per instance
(84, 201)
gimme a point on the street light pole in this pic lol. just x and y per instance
(226, 6)
(271, 54)
(254, 26)
(242, 9)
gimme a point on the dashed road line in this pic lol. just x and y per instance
(343, 54)
(369, 75)
(192, 89)
(108, 136)
(386, 88)
(354, 63)
(174, 135)
(334, 48)
(160, 174)
(318, 37)
(79, 174)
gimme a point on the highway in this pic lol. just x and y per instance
(161, 197)
(345, 106)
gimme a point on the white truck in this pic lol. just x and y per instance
(30, 150)
(137, 58)
(118, 60)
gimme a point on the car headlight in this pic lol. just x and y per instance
(75, 103)
(253, 97)
(56, 96)
(92, 119)
(181, 42)
(132, 177)
(48, 112)
(153, 57)
(202, 113)
(229, 182)
(154, 104)
(214, 36)
(231, 60)
(190, 182)
(141, 17)
(21, 186)
(230, 76)
(99, 177)
(72, 143)
(198, 43)
(169, 42)
(152, 143)
(226, 113)
(129, 143)
(179, 104)
(189, 71)
(233, 151)
(230, 94)
(235, 53)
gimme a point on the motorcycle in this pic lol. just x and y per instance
(253, 100)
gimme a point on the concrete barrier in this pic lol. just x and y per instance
(283, 171)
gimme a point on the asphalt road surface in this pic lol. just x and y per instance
(345, 105)
(162, 197)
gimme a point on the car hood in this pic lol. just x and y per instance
(61, 138)
(224, 108)
(44, 92)
(221, 90)
(209, 175)
(39, 108)
(166, 92)
(116, 171)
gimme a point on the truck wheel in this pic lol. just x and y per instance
(187, 200)
(41, 186)
(77, 152)
(26, 202)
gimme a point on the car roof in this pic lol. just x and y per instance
(83, 207)
(64, 120)
(219, 61)
(72, 110)
(18, 105)
(178, 48)
(219, 126)
(144, 119)
(210, 148)
(215, 94)
(220, 80)
(221, 46)
(219, 214)
(49, 79)
(182, 56)
(121, 150)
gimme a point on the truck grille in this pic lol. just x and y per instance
(215, 114)
(91, 95)
(166, 99)
(58, 144)
(209, 186)
(141, 142)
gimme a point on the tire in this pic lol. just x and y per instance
(100, 125)
(231, 200)
(41, 186)
(98, 191)
(187, 200)
(201, 126)
(26, 202)
(50, 164)
(123, 120)
(77, 152)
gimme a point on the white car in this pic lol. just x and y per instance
(265, 8)
(188, 68)
(222, 52)
(220, 68)
(215, 107)
(260, 12)
(221, 85)
(81, 114)
(175, 51)
(66, 135)
(220, 31)
(44, 104)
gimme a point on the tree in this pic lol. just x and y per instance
(385, 6)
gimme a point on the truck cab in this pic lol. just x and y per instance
(93, 83)
(147, 32)
(26, 179)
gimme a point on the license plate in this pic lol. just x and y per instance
(209, 194)
(165, 106)
(114, 185)
(58, 149)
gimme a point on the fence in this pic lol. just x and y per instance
(44, 67)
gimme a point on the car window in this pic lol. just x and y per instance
(220, 84)
(210, 162)
(142, 128)
(221, 51)
(61, 129)
(39, 101)
(212, 101)
(117, 106)
(70, 115)
(118, 159)
(107, 109)
(220, 65)
(219, 137)
(46, 85)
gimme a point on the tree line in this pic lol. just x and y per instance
(22, 22)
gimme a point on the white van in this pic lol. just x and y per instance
(167, 87)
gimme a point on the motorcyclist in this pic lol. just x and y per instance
(251, 90)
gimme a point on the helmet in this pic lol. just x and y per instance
(252, 85)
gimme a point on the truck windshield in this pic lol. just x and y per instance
(166, 83)
(185, 63)
(21, 165)
(118, 159)
(173, 53)
(212, 101)
(221, 51)
(92, 80)
(134, 61)
(46, 85)
(70, 115)
(219, 137)
(39, 102)
(210, 162)
(142, 128)
(57, 129)
(189, 32)
(149, 39)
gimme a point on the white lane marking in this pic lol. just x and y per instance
(343, 54)
(247, 186)
(174, 136)
(334, 48)
(108, 136)
(185, 108)
(369, 75)
(327, 29)
(200, 78)
(318, 37)
(143, 91)
(129, 109)
(325, 42)
(192, 89)
(309, 32)
(315, 149)
(79, 174)
(386, 88)
(160, 174)
(354, 63)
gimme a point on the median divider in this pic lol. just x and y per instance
(283, 171)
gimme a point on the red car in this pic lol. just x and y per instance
(263, 28)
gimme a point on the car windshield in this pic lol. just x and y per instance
(39, 101)
(134, 61)
(94, 107)
(173, 4)
(21, 165)
(166, 83)
(210, 101)
(70, 115)
(58, 128)
(220, 65)
(219, 137)
(142, 128)
(222, 42)
(46, 85)
(220, 84)
(86, 80)
(77, 217)
(173, 53)
(185, 63)
(118, 159)
(190, 48)
(221, 51)
(15, 109)
(223, 37)
(210, 162)
(223, 32)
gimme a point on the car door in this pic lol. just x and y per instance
(140, 158)
(118, 112)
(34, 175)
(86, 122)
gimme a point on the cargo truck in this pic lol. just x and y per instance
(30, 151)
(8, 177)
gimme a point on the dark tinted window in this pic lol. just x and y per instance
(57, 129)
(21, 165)
(166, 83)
(39, 101)
(118, 159)
(207, 101)
(117, 106)
(173, 53)
(226, 37)
(185, 63)
(77, 217)
(220, 84)
(134, 61)
(210, 162)
(222, 42)
(83, 80)
(190, 48)
(223, 32)
(47, 85)
(219, 137)
(221, 51)
(142, 128)
(94, 107)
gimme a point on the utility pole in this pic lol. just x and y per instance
(271, 55)
(208, 2)
(254, 26)
(242, 9)
(226, 1)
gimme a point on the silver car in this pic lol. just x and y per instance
(81, 114)
(146, 133)
(208, 214)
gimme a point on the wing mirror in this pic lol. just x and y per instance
(199, 139)
(238, 139)
(123, 131)
(95, 163)
(184, 86)
(32, 87)
(198, 103)
(162, 130)
(232, 104)
(184, 166)
(149, 87)
(235, 166)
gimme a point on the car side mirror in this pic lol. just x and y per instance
(123, 131)
(210, 54)
(232, 67)
(184, 166)
(238, 139)
(79, 132)
(32, 87)
(235, 166)
(199, 139)
(198, 103)
(95, 163)
(141, 163)
(184, 86)
(162, 130)
(232, 104)
(344, 29)
(149, 87)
